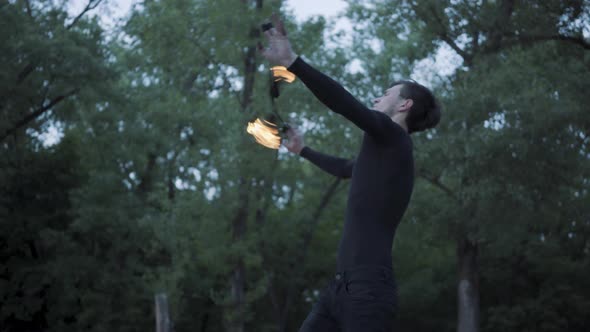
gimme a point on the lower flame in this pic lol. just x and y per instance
(265, 133)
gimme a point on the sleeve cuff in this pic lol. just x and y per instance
(296, 65)
(304, 152)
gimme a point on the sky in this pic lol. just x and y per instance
(113, 9)
(305, 8)
(444, 62)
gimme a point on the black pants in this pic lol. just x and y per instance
(361, 299)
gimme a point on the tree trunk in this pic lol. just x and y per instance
(236, 323)
(146, 179)
(163, 323)
(237, 307)
(468, 287)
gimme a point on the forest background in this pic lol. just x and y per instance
(154, 187)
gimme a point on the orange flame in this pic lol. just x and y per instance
(281, 73)
(265, 133)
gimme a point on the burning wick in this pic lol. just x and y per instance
(266, 133)
(281, 73)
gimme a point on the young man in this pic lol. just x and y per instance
(362, 294)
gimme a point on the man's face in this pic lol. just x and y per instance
(391, 102)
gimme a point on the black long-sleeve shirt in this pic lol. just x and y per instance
(382, 175)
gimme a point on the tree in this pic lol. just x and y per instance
(492, 118)
(156, 187)
(71, 260)
(188, 77)
(52, 63)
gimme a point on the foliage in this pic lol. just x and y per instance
(512, 147)
(155, 186)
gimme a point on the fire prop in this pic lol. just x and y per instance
(265, 132)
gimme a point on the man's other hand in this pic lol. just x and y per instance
(294, 142)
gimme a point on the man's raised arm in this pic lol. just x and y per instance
(328, 91)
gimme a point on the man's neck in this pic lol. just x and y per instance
(400, 120)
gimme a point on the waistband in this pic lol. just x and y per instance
(365, 272)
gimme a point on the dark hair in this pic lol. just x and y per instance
(425, 110)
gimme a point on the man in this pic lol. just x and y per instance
(362, 294)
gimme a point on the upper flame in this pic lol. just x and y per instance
(280, 73)
(265, 133)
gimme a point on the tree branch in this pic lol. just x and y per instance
(90, 6)
(29, 11)
(444, 35)
(435, 180)
(501, 22)
(36, 114)
(226, 82)
(466, 57)
(532, 39)
(24, 73)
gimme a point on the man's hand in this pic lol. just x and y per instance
(279, 50)
(294, 142)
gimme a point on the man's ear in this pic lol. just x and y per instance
(406, 105)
